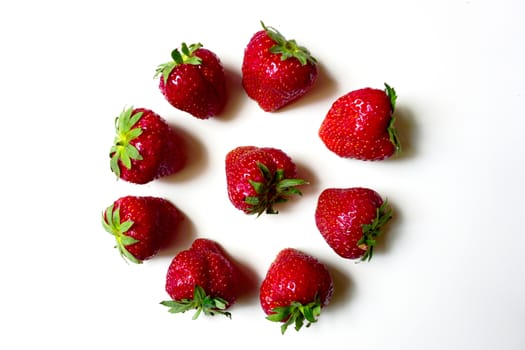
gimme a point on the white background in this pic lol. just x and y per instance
(449, 272)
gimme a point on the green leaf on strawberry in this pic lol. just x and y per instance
(201, 302)
(296, 313)
(112, 224)
(288, 48)
(122, 149)
(373, 230)
(391, 93)
(184, 56)
(275, 189)
(392, 132)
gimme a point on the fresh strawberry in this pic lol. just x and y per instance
(141, 225)
(202, 277)
(194, 81)
(145, 148)
(350, 220)
(276, 71)
(295, 288)
(259, 177)
(360, 125)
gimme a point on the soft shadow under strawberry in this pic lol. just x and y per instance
(181, 237)
(343, 287)
(248, 285)
(236, 95)
(195, 153)
(307, 173)
(390, 232)
(322, 90)
(406, 126)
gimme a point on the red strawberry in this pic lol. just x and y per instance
(276, 71)
(259, 177)
(202, 277)
(351, 219)
(141, 225)
(194, 81)
(360, 125)
(145, 148)
(295, 289)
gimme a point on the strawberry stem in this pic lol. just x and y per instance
(122, 149)
(392, 132)
(392, 135)
(275, 189)
(391, 93)
(112, 224)
(184, 56)
(288, 48)
(200, 302)
(296, 313)
(373, 230)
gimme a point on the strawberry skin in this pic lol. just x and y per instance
(281, 161)
(276, 71)
(202, 277)
(194, 81)
(141, 225)
(259, 177)
(145, 147)
(295, 288)
(360, 125)
(350, 220)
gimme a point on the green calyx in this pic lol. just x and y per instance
(184, 56)
(112, 224)
(275, 189)
(373, 230)
(392, 132)
(288, 48)
(200, 302)
(391, 93)
(122, 149)
(296, 313)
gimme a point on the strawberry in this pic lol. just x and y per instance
(194, 81)
(276, 71)
(145, 148)
(202, 277)
(360, 125)
(350, 220)
(141, 225)
(259, 177)
(295, 288)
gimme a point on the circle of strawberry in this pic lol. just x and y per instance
(360, 125)
(295, 288)
(202, 278)
(145, 147)
(140, 225)
(259, 177)
(276, 71)
(194, 81)
(350, 220)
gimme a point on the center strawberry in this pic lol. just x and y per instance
(257, 178)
